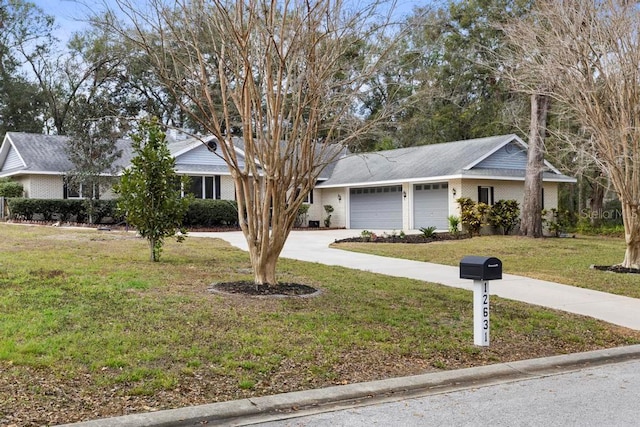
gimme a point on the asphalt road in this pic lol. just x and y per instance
(607, 395)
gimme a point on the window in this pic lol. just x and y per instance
(485, 195)
(73, 190)
(204, 187)
(309, 199)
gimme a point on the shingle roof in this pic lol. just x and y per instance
(436, 160)
(423, 162)
(47, 153)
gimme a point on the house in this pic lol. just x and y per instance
(402, 189)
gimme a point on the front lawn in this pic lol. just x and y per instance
(89, 328)
(561, 260)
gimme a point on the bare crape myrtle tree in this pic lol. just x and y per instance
(283, 79)
(585, 56)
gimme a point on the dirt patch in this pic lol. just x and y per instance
(616, 269)
(252, 289)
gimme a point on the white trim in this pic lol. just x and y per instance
(430, 179)
(392, 182)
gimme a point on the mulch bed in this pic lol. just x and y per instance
(252, 289)
(408, 238)
(616, 269)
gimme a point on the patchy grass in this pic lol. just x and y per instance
(565, 260)
(89, 328)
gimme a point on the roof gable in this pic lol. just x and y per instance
(512, 155)
(10, 159)
(194, 154)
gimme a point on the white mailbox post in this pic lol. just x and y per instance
(481, 312)
(481, 270)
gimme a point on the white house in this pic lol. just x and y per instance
(402, 189)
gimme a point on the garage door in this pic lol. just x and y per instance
(431, 205)
(376, 208)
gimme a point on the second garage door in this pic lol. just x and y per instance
(431, 205)
(376, 208)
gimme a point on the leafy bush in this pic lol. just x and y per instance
(20, 208)
(473, 215)
(327, 221)
(60, 209)
(368, 235)
(428, 232)
(303, 210)
(211, 213)
(556, 221)
(504, 214)
(454, 224)
(10, 188)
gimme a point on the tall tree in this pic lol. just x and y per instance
(21, 104)
(531, 222)
(293, 71)
(587, 55)
(445, 69)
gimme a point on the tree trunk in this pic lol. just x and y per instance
(631, 217)
(152, 250)
(531, 224)
(596, 203)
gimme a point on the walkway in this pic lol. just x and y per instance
(313, 246)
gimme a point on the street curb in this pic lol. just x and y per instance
(289, 405)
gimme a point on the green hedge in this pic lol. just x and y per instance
(211, 213)
(61, 209)
(10, 188)
(201, 213)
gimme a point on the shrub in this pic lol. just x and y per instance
(327, 221)
(303, 210)
(368, 236)
(473, 215)
(454, 224)
(10, 188)
(505, 214)
(556, 221)
(428, 232)
(211, 213)
(20, 208)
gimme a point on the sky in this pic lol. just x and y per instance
(70, 14)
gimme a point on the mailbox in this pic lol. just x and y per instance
(480, 268)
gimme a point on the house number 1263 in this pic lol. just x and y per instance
(481, 312)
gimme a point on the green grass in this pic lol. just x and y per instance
(565, 260)
(86, 314)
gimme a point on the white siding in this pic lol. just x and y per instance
(201, 156)
(227, 188)
(45, 187)
(329, 196)
(509, 190)
(12, 161)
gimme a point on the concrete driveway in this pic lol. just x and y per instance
(313, 246)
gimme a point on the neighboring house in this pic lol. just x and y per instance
(403, 189)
